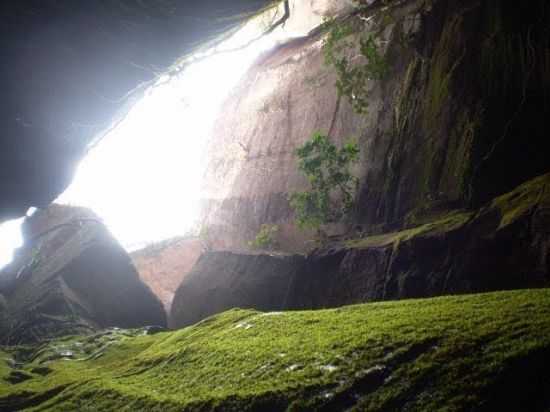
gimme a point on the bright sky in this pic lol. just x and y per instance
(144, 177)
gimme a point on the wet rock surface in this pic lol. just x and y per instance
(504, 245)
(72, 277)
(446, 126)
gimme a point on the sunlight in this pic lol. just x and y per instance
(11, 238)
(143, 178)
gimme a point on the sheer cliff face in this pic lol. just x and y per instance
(288, 95)
(282, 100)
(252, 167)
(445, 127)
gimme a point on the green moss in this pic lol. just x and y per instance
(450, 221)
(509, 207)
(424, 353)
(4, 368)
(442, 67)
(523, 199)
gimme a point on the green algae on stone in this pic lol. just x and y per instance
(533, 194)
(452, 353)
(509, 207)
(447, 223)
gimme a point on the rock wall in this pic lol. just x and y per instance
(252, 167)
(503, 245)
(459, 119)
(163, 266)
(286, 96)
(224, 280)
(71, 277)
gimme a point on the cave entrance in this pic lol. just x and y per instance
(143, 178)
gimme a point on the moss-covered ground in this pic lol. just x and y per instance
(476, 352)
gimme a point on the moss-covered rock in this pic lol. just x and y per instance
(478, 352)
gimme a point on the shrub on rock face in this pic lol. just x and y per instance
(333, 186)
(266, 238)
(354, 74)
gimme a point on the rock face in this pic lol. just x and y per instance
(163, 266)
(504, 245)
(224, 280)
(449, 199)
(282, 100)
(252, 166)
(71, 276)
(446, 126)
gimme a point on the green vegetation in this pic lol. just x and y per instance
(442, 68)
(523, 200)
(357, 59)
(445, 224)
(333, 186)
(505, 209)
(452, 353)
(266, 238)
(354, 72)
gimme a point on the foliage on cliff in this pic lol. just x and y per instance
(354, 73)
(333, 186)
(454, 353)
(266, 237)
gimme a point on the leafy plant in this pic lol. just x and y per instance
(266, 237)
(333, 186)
(355, 73)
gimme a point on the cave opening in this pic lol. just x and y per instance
(143, 177)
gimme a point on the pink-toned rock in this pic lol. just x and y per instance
(252, 168)
(164, 265)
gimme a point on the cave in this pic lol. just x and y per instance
(274, 205)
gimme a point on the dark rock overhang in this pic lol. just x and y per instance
(67, 67)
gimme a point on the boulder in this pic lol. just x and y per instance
(71, 276)
(224, 280)
(503, 245)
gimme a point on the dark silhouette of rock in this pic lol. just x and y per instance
(72, 276)
(224, 280)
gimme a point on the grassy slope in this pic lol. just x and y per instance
(452, 353)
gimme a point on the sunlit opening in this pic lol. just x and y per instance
(143, 179)
(11, 238)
